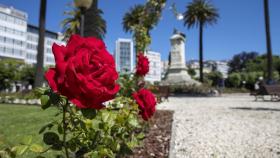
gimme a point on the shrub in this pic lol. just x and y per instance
(234, 79)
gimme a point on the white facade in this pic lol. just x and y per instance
(13, 27)
(18, 40)
(154, 66)
(124, 56)
(32, 43)
(164, 68)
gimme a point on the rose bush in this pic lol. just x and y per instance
(85, 72)
(146, 101)
(142, 67)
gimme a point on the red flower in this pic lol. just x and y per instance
(146, 101)
(142, 67)
(85, 72)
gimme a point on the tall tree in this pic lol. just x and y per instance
(268, 40)
(39, 77)
(200, 13)
(141, 19)
(95, 25)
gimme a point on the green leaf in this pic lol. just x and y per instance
(36, 148)
(45, 101)
(140, 136)
(57, 146)
(51, 138)
(54, 98)
(133, 121)
(105, 115)
(20, 149)
(89, 113)
(60, 129)
(49, 126)
(27, 140)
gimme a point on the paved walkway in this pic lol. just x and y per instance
(232, 126)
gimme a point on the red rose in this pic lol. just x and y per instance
(85, 72)
(142, 67)
(146, 101)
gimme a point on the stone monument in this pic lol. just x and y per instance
(177, 73)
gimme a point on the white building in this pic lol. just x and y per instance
(164, 68)
(155, 66)
(32, 43)
(18, 40)
(222, 66)
(124, 56)
(13, 27)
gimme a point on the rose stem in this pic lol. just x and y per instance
(65, 128)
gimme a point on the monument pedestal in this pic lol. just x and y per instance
(177, 73)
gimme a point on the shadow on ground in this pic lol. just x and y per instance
(255, 109)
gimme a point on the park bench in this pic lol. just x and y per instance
(163, 93)
(272, 90)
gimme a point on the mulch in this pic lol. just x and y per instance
(157, 140)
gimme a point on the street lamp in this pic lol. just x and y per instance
(83, 5)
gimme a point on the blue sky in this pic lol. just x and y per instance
(239, 28)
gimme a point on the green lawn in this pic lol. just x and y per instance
(17, 121)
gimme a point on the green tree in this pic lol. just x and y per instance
(71, 25)
(234, 79)
(215, 77)
(39, 78)
(140, 20)
(200, 13)
(239, 61)
(268, 41)
(27, 74)
(9, 72)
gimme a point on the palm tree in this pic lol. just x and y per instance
(268, 41)
(95, 25)
(39, 77)
(141, 19)
(71, 25)
(200, 13)
(133, 18)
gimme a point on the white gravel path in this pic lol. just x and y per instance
(232, 126)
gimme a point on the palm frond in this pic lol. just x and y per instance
(200, 11)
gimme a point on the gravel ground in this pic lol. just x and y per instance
(232, 126)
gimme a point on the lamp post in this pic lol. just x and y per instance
(83, 5)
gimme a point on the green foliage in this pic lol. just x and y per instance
(239, 61)
(140, 20)
(109, 132)
(9, 72)
(234, 79)
(215, 77)
(200, 12)
(128, 84)
(191, 72)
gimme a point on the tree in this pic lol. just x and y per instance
(234, 79)
(268, 41)
(200, 13)
(140, 20)
(71, 25)
(239, 61)
(9, 72)
(95, 25)
(39, 77)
